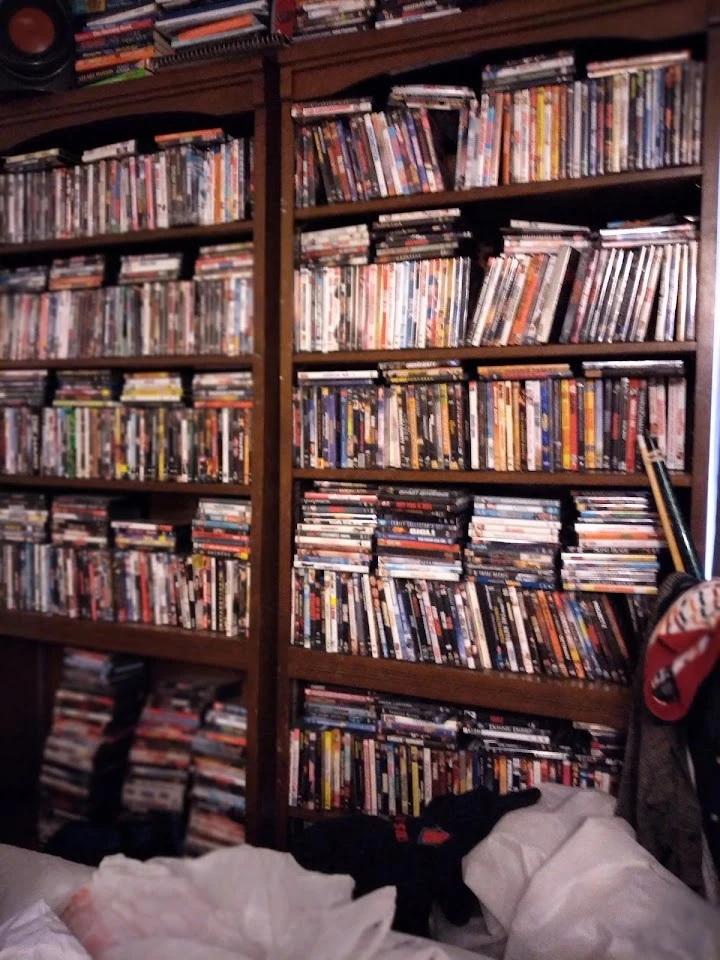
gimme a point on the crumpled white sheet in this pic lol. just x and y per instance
(37, 933)
(604, 897)
(243, 903)
(567, 880)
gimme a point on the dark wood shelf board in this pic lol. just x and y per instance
(322, 68)
(491, 477)
(569, 699)
(150, 486)
(134, 238)
(215, 89)
(315, 816)
(641, 180)
(243, 362)
(542, 352)
(167, 643)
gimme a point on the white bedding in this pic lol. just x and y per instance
(564, 880)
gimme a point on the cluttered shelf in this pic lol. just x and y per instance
(574, 699)
(167, 643)
(565, 478)
(629, 181)
(499, 354)
(136, 486)
(199, 233)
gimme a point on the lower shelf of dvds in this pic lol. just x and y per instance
(572, 699)
(168, 643)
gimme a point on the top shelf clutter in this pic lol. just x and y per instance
(536, 121)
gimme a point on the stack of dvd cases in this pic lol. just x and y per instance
(217, 793)
(221, 567)
(22, 393)
(159, 762)
(420, 532)
(24, 551)
(619, 536)
(224, 299)
(96, 707)
(514, 541)
(148, 575)
(81, 569)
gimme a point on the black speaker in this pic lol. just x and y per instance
(37, 48)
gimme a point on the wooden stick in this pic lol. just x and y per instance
(682, 550)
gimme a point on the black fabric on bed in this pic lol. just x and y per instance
(368, 849)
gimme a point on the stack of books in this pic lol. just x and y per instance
(96, 707)
(337, 528)
(159, 761)
(222, 389)
(114, 44)
(77, 273)
(148, 577)
(514, 541)
(22, 388)
(420, 532)
(220, 566)
(319, 18)
(79, 388)
(50, 196)
(619, 536)
(224, 299)
(391, 13)
(218, 780)
(142, 388)
(81, 569)
(23, 518)
(144, 267)
(200, 27)
(390, 757)
(24, 566)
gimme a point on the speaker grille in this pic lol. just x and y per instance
(36, 39)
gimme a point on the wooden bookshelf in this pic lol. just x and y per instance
(568, 699)
(187, 646)
(128, 364)
(645, 181)
(357, 65)
(562, 351)
(128, 486)
(239, 95)
(212, 233)
(568, 478)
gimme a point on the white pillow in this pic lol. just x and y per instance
(27, 876)
(499, 869)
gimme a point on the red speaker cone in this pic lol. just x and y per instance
(31, 30)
